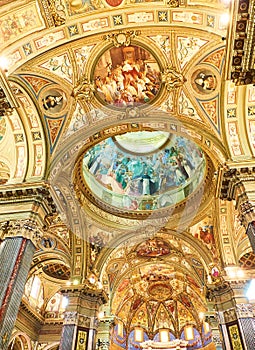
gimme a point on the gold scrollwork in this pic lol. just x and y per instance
(172, 79)
(173, 3)
(57, 19)
(84, 89)
(122, 38)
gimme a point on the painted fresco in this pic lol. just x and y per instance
(143, 181)
(204, 233)
(53, 100)
(19, 23)
(204, 81)
(4, 173)
(127, 76)
(153, 247)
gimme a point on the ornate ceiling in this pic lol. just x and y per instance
(85, 72)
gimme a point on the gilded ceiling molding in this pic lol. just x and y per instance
(84, 90)
(122, 38)
(7, 99)
(51, 11)
(25, 228)
(172, 79)
(240, 43)
(37, 204)
(236, 184)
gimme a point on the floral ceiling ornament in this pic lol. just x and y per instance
(131, 112)
(172, 79)
(173, 3)
(84, 89)
(122, 38)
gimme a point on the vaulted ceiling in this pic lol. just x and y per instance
(63, 59)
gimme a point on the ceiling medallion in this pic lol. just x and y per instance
(173, 3)
(126, 75)
(172, 79)
(160, 291)
(122, 38)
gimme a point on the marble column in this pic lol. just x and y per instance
(81, 317)
(103, 332)
(16, 255)
(23, 213)
(235, 315)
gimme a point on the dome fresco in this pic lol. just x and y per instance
(143, 170)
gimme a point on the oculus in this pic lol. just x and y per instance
(127, 76)
(143, 171)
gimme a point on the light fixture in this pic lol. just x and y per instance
(224, 19)
(164, 335)
(100, 315)
(189, 332)
(138, 334)
(201, 315)
(240, 273)
(4, 62)
(250, 294)
(92, 279)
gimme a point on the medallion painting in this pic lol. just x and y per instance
(167, 172)
(127, 76)
(204, 81)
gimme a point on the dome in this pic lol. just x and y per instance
(143, 170)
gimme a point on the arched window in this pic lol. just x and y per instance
(34, 292)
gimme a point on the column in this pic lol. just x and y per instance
(103, 333)
(238, 184)
(235, 315)
(18, 243)
(16, 254)
(81, 316)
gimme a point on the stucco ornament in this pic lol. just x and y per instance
(84, 89)
(172, 79)
(122, 38)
